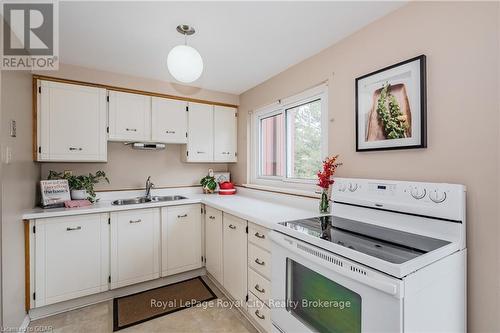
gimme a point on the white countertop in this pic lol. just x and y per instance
(261, 211)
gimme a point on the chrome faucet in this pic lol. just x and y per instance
(149, 186)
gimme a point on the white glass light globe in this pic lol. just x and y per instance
(185, 63)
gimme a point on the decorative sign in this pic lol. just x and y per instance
(54, 192)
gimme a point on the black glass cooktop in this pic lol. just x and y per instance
(384, 243)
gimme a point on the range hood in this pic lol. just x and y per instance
(147, 145)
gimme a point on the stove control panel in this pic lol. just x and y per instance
(432, 199)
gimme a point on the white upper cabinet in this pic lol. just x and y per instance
(71, 123)
(224, 134)
(200, 147)
(129, 117)
(211, 134)
(168, 120)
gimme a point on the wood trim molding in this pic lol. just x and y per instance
(27, 276)
(279, 191)
(132, 91)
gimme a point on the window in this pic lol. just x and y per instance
(290, 140)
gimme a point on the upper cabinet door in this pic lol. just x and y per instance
(168, 120)
(71, 123)
(129, 117)
(225, 122)
(200, 147)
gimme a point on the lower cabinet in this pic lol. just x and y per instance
(181, 239)
(71, 257)
(259, 275)
(135, 246)
(213, 243)
(234, 239)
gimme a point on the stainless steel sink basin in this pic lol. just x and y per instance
(168, 198)
(140, 200)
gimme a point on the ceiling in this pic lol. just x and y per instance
(242, 43)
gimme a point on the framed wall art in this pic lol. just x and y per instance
(391, 107)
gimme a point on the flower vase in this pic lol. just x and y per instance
(324, 204)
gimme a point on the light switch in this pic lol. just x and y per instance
(13, 128)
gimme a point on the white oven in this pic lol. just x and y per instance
(352, 298)
(391, 258)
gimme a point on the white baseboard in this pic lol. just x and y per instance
(25, 324)
(52, 309)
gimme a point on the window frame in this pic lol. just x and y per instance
(281, 107)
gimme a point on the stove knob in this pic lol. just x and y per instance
(437, 196)
(341, 187)
(353, 187)
(418, 192)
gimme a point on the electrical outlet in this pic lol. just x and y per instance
(6, 154)
(68, 173)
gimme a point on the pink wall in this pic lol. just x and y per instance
(461, 41)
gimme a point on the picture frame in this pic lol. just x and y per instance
(54, 193)
(391, 107)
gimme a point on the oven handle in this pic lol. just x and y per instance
(387, 287)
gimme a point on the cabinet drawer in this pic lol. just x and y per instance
(259, 236)
(259, 286)
(259, 260)
(259, 312)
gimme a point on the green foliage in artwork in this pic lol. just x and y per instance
(389, 112)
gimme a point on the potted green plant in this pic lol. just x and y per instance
(82, 187)
(208, 183)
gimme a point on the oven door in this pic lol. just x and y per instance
(314, 290)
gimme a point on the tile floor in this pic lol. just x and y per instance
(98, 318)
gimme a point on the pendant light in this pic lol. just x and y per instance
(184, 62)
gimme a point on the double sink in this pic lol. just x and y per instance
(140, 200)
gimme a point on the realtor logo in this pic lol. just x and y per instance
(29, 39)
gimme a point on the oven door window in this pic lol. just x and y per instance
(320, 303)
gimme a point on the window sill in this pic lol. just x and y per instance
(291, 191)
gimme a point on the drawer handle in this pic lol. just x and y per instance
(226, 153)
(200, 152)
(136, 221)
(181, 216)
(259, 262)
(259, 289)
(131, 129)
(232, 226)
(73, 228)
(259, 235)
(211, 217)
(170, 132)
(74, 148)
(260, 316)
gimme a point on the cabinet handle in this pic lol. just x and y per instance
(257, 313)
(131, 129)
(200, 152)
(135, 221)
(73, 228)
(180, 216)
(211, 217)
(259, 289)
(170, 132)
(74, 148)
(232, 226)
(259, 235)
(259, 262)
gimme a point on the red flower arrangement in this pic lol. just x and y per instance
(330, 165)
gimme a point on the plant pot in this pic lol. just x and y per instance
(79, 194)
